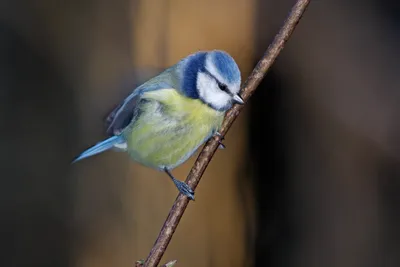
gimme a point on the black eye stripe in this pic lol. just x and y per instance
(222, 87)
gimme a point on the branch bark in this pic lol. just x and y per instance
(211, 146)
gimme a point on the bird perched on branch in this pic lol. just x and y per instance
(166, 119)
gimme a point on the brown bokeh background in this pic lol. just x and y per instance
(311, 173)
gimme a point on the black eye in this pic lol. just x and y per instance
(223, 87)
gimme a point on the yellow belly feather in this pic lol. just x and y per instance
(166, 135)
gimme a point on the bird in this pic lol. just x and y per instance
(166, 119)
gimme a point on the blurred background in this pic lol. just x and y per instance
(311, 173)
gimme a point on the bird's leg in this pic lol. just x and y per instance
(221, 145)
(182, 186)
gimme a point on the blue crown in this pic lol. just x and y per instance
(226, 66)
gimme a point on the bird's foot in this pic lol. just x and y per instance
(184, 189)
(182, 186)
(222, 138)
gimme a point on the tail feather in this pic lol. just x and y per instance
(100, 147)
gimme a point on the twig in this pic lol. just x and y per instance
(211, 146)
(140, 263)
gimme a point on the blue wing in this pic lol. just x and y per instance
(124, 113)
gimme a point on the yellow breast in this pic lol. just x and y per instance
(170, 128)
(181, 105)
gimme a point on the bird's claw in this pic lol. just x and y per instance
(184, 189)
(182, 186)
(221, 145)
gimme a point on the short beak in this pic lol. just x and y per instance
(238, 100)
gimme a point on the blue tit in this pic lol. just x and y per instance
(166, 119)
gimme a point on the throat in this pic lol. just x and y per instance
(205, 112)
(178, 105)
(219, 108)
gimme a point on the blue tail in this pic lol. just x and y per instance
(100, 147)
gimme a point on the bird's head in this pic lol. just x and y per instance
(213, 77)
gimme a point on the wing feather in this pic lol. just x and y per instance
(123, 114)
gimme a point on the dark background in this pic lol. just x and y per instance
(311, 173)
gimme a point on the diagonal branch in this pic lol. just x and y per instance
(211, 146)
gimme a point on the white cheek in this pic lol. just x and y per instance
(235, 88)
(210, 93)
